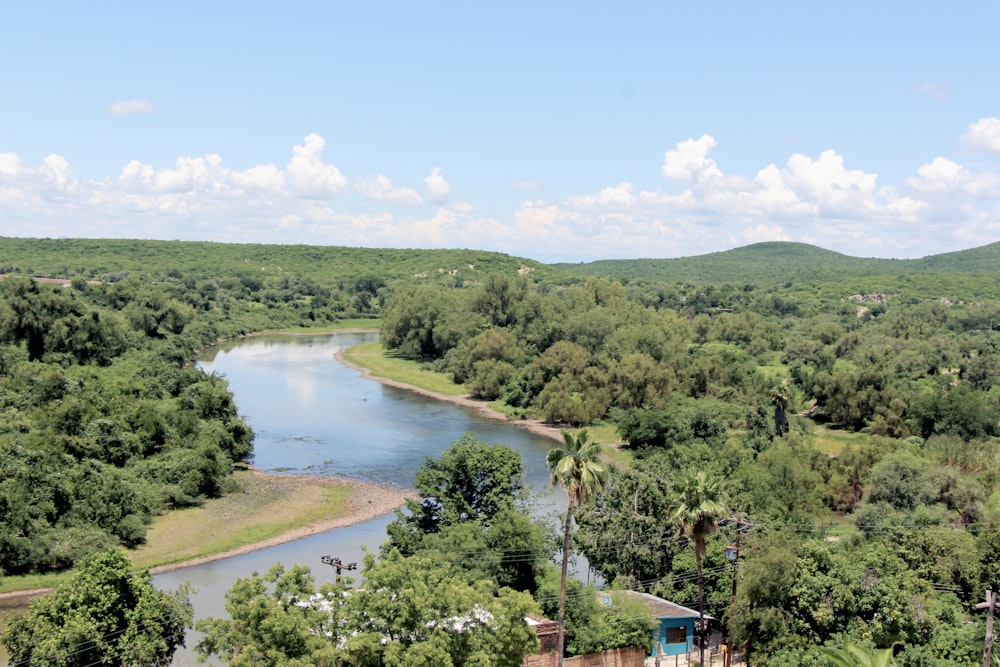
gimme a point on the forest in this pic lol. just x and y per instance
(846, 412)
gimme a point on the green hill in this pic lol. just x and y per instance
(965, 274)
(104, 259)
(968, 274)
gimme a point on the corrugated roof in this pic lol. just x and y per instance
(661, 608)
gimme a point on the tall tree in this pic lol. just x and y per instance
(471, 481)
(577, 470)
(106, 614)
(696, 506)
(408, 612)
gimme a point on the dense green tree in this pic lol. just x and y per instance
(27, 312)
(105, 614)
(425, 322)
(407, 612)
(275, 620)
(626, 533)
(903, 481)
(498, 298)
(472, 481)
(615, 620)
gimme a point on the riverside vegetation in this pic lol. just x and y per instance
(873, 513)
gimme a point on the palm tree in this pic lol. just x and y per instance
(577, 469)
(696, 505)
(858, 656)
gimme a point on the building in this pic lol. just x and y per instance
(675, 635)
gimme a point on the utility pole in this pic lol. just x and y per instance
(733, 554)
(340, 565)
(989, 606)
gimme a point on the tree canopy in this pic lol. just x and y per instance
(105, 614)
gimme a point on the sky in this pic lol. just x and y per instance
(555, 131)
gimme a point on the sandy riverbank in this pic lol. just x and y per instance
(366, 501)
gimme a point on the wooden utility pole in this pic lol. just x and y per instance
(733, 554)
(340, 565)
(989, 606)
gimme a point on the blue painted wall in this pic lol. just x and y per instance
(679, 648)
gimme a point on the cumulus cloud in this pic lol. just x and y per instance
(760, 233)
(689, 162)
(10, 164)
(831, 186)
(131, 106)
(616, 196)
(818, 198)
(309, 176)
(438, 187)
(984, 135)
(381, 188)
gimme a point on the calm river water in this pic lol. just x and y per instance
(312, 414)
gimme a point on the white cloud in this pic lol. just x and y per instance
(762, 232)
(948, 178)
(10, 164)
(131, 106)
(984, 135)
(526, 185)
(381, 188)
(689, 162)
(438, 187)
(55, 170)
(616, 196)
(811, 198)
(9, 195)
(265, 177)
(309, 176)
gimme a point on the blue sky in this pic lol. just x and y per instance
(554, 131)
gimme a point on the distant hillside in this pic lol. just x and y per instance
(109, 258)
(799, 267)
(777, 262)
(984, 259)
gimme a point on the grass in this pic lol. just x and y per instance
(361, 323)
(262, 507)
(373, 357)
(832, 441)
(30, 582)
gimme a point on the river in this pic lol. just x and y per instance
(312, 414)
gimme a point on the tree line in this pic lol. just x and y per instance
(874, 516)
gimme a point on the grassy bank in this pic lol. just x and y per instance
(261, 508)
(361, 323)
(372, 357)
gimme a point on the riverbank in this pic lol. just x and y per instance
(259, 517)
(351, 359)
(369, 360)
(263, 510)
